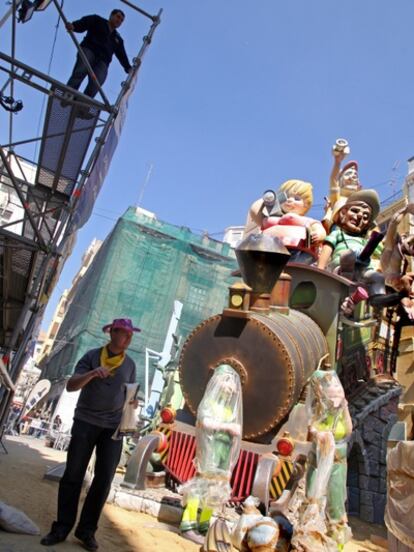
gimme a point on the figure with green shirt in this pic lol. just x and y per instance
(330, 428)
(353, 250)
(350, 233)
(218, 436)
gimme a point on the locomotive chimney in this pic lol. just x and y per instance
(261, 260)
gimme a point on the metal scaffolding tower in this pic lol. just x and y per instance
(53, 196)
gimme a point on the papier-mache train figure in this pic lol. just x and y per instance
(282, 215)
(394, 262)
(323, 522)
(343, 181)
(218, 436)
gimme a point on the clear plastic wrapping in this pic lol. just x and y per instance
(322, 467)
(218, 437)
(399, 512)
(323, 520)
(325, 396)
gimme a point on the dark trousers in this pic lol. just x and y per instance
(108, 452)
(100, 68)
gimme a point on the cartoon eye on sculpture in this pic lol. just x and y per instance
(284, 218)
(323, 517)
(218, 437)
(394, 260)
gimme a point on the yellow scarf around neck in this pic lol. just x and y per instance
(111, 363)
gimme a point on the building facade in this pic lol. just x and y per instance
(11, 209)
(143, 266)
(233, 235)
(65, 300)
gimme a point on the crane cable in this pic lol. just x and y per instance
(52, 53)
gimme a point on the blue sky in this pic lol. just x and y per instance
(236, 96)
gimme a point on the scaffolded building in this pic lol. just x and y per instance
(55, 194)
(143, 266)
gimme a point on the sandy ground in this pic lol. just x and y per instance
(23, 486)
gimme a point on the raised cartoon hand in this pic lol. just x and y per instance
(339, 155)
(340, 150)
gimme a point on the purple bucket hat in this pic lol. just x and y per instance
(121, 323)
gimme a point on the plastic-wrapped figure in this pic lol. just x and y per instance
(300, 234)
(353, 221)
(218, 436)
(330, 427)
(343, 182)
(394, 262)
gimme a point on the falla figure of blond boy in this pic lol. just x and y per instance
(283, 216)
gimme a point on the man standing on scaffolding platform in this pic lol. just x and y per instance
(102, 40)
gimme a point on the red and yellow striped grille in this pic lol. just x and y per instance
(179, 462)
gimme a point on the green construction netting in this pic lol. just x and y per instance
(141, 268)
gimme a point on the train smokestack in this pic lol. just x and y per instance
(261, 260)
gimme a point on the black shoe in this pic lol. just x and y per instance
(53, 538)
(88, 541)
(86, 114)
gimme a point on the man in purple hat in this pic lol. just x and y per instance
(101, 375)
